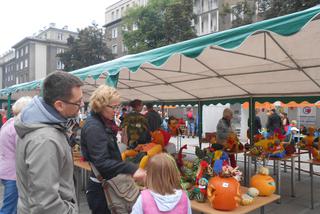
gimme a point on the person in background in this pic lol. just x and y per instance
(4, 115)
(303, 130)
(44, 157)
(285, 121)
(8, 141)
(123, 115)
(274, 122)
(153, 118)
(224, 130)
(257, 123)
(135, 126)
(164, 193)
(190, 122)
(99, 146)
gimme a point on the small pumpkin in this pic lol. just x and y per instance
(263, 182)
(224, 193)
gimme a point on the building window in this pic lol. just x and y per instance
(21, 52)
(17, 67)
(114, 49)
(26, 63)
(17, 80)
(134, 26)
(124, 48)
(21, 65)
(60, 65)
(122, 11)
(60, 50)
(26, 50)
(17, 54)
(112, 16)
(60, 36)
(117, 14)
(114, 32)
(202, 27)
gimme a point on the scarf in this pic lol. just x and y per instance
(111, 125)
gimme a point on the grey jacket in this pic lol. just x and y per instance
(44, 162)
(223, 130)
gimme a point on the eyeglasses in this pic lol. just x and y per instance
(75, 104)
(115, 108)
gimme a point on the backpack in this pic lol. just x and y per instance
(121, 192)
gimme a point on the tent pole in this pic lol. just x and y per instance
(199, 119)
(252, 115)
(9, 107)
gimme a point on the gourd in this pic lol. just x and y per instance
(128, 153)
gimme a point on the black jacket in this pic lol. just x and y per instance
(99, 146)
(274, 122)
(154, 120)
(257, 124)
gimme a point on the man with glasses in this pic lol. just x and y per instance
(44, 160)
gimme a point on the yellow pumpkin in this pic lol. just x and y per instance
(264, 183)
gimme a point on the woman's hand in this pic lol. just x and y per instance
(140, 174)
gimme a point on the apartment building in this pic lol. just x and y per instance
(210, 17)
(113, 31)
(35, 57)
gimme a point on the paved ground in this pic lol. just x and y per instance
(298, 205)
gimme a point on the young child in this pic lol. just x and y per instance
(163, 193)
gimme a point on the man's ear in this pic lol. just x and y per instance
(58, 105)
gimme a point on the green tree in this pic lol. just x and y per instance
(159, 23)
(243, 13)
(87, 49)
(274, 8)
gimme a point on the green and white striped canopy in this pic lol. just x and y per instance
(276, 57)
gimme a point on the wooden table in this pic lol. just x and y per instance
(259, 202)
(312, 162)
(277, 162)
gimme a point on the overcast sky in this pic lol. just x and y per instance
(22, 18)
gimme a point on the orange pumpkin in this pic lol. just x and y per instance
(264, 183)
(224, 193)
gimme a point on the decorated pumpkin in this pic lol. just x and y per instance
(224, 193)
(263, 182)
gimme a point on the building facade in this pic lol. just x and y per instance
(211, 16)
(113, 27)
(35, 57)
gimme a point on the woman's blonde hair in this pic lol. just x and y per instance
(20, 104)
(102, 97)
(163, 176)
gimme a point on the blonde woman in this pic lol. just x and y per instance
(99, 146)
(164, 193)
(8, 141)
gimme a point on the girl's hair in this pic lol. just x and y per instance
(163, 176)
(20, 104)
